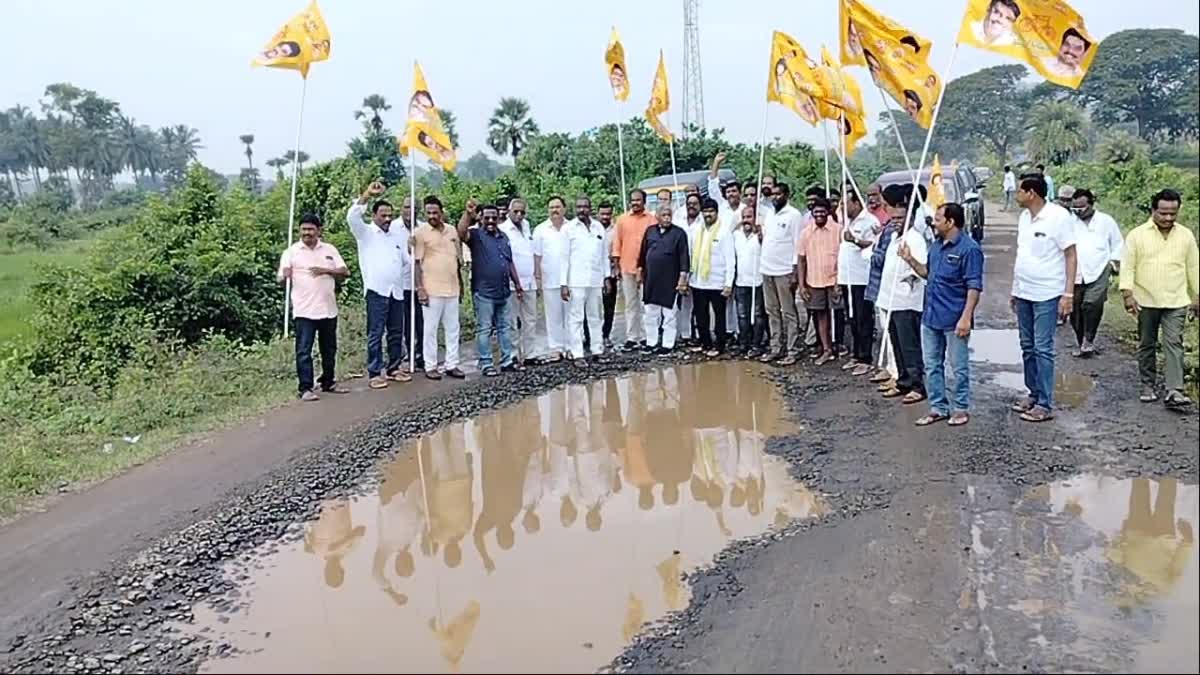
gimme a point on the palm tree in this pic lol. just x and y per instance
(371, 107)
(301, 159)
(1057, 131)
(510, 126)
(450, 125)
(130, 151)
(278, 163)
(248, 139)
(187, 140)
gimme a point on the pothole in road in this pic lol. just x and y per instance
(1071, 390)
(539, 538)
(1001, 347)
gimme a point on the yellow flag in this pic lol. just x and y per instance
(424, 130)
(785, 86)
(937, 187)
(614, 59)
(302, 41)
(1049, 35)
(660, 101)
(862, 30)
(851, 114)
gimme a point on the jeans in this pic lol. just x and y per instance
(780, 301)
(444, 311)
(415, 332)
(862, 324)
(384, 313)
(631, 290)
(905, 334)
(1036, 323)
(1008, 199)
(1150, 319)
(1089, 307)
(751, 337)
(307, 331)
(706, 301)
(608, 298)
(935, 344)
(584, 305)
(491, 318)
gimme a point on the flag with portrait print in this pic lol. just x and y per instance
(1049, 35)
(660, 101)
(424, 130)
(846, 102)
(937, 183)
(614, 61)
(302, 41)
(784, 84)
(897, 58)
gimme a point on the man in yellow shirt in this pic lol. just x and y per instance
(1160, 282)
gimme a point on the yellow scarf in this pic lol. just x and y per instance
(702, 251)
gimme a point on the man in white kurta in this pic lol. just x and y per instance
(582, 278)
(549, 258)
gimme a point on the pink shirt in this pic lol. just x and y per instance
(312, 296)
(819, 247)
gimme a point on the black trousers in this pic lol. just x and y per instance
(418, 342)
(608, 298)
(1088, 307)
(905, 333)
(751, 336)
(862, 324)
(307, 332)
(704, 302)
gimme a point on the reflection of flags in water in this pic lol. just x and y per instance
(660, 101)
(937, 187)
(424, 130)
(1054, 41)
(783, 83)
(614, 60)
(301, 42)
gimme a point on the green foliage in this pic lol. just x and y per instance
(1121, 147)
(511, 126)
(1058, 131)
(1148, 76)
(1124, 189)
(55, 196)
(1000, 124)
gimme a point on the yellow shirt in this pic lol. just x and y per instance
(438, 252)
(1163, 272)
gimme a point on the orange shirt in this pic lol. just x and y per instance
(819, 247)
(627, 242)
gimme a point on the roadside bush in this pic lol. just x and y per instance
(1124, 189)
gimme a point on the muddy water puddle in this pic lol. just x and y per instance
(1071, 390)
(540, 538)
(1093, 573)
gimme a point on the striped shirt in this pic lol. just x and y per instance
(1162, 272)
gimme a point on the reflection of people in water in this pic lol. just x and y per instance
(1152, 544)
(504, 455)
(451, 504)
(620, 83)
(635, 615)
(420, 107)
(563, 480)
(671, 576)
(912, 104)
(595, 466)
(400, 517)
(1068, 62)
(283, 50)
(996, 27)
(332, 537)
(456, 635)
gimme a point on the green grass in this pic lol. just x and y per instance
(18, 271)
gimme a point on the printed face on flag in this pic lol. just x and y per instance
(302, 41)
(1049, 35)
(620, 83)
(614, 59)
(421, 109)
(862, 28)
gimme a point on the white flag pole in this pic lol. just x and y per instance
(825, 138)
(842, 218)
(912, 202)
(621, 161)
(899, 138)
(412, 267)
(287, 287)
(762, 159)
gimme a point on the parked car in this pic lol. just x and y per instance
(678, 186)
(956, 191)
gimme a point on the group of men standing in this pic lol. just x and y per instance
(735, 274)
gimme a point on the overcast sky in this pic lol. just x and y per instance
(172, 62)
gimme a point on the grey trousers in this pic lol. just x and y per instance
(780, 301)
(1150, 319)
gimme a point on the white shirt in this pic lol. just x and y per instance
(765, 208)
(1040, 271)
(746, 249)
(1010, 182)
(722, 262)
(587, 259)
(781, 236)
(550, 245)
(853, 269)
(520, 240)
(900, 287)
(383, 257)
(728, 216)
(1097, 243)
(608, 239)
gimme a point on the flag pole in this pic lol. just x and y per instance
(762, 159)
(412, 267)
(912, 202)
(842, 203)
(287, 287)
(899, 139)
(621, 161)
(825, 138)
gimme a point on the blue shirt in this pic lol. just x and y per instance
(491, 259)
(875, 275)
(955, 267)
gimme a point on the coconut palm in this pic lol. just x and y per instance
(1057, 131)
(372, 106)
(450, 125)
(248, 140)
(187, 140)
(510, 126)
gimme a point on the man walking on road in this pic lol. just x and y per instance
(1099, 245)
(626, 247)
(549, 259)
(955, 282)
(1010, 187)
(522, 308)
(383, 259)
(780, 239)
(853, 274)
(436, 253)
(492, 273)
(818, 273)
(314, 267)
(712, 268)
(1160, 283)
(1043, 290)
(581, 279)
(663, 265)
(1041, 171)
(608, 296)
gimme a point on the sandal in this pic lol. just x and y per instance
(892, 392)
(913, 397)
(1037, 414)
(399, 376)
(512, 368)
(881, 376)
(958, 419)
(849, 365)
(695, 349)
(931, 418)
(1148, 395)
(887, 385)
(788, 361)
(580, 363)
(490, 371)
(1023, 405)
(860, 370)
(712, 353)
